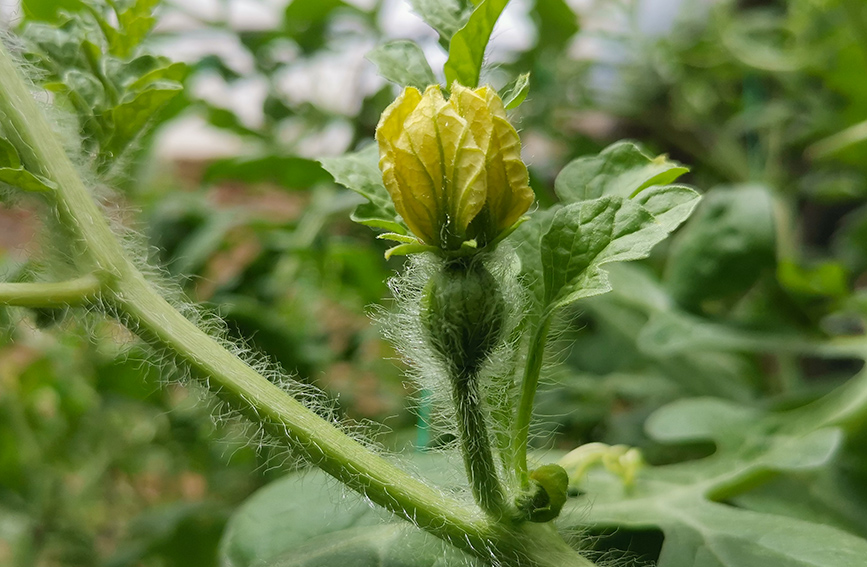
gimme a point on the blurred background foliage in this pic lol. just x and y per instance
(105, 460)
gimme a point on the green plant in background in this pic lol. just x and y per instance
(475, 306)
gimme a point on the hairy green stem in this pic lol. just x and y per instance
(125, 289)
(55, 294)
(150, 314)
(530, 383)
(476, 446)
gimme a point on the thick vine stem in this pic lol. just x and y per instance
(126, 291)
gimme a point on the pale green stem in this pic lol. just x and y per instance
(55, 294)
(139, 304)
(530, 383)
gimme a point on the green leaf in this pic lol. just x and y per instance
(298, 521)
(403, 62)
(391, 545)
(445, 16)
(700, 419)
(131, 117)
(8, 155)
(670, 205)
(527, 240)
(162, 70)
(706, 534)
(584, 236)
(762, 40)
(287, 513)
(621, 169)
(557, 20)
(833, 496)
(306, 21)
(134, 24)
(49, 10)
(409, 248)
(467, 47)
(184, 533)
(86, 86)
(678, 499)
(373, 216)
(228, 120)
(292, 172)
(360, 172)
(26, 181)
(740, 430)
(725, 247)
(674, 332)
(515, 92)
(825, 279)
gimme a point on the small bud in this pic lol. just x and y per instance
(463, 311)
(547, 495)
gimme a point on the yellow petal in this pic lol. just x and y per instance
(473, 107)
(509, 193)
(495, 103)
(417, 202)
(393, 117)
(420, 138)
(463, 170)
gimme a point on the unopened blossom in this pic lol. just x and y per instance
(453, 166)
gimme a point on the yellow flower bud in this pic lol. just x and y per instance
(453, 167)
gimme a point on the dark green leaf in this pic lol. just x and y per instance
(185, 533)
(305, 21)
(467, 47)
(202, 243)
(826, 279)
(515, 92)
(228, 120)
(291, 172)
(621, 169)
(360, 172)
(403, 62)
(445, 16)
(557, 20)
(26, 181)
(725, 247)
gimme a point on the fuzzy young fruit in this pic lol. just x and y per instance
(463, 311)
